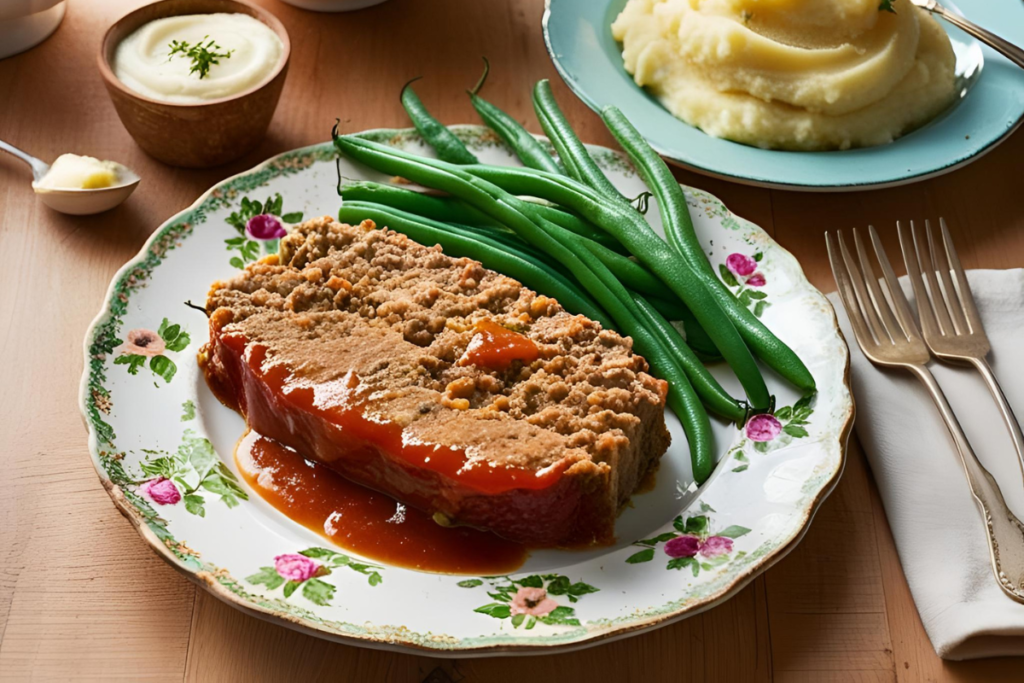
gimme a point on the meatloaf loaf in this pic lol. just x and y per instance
(451, 387)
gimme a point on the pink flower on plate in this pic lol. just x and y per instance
(143, 343)
(265, 227)
(763, 428)
(533, 602)
(161, 491)
(740, 264)
(683, 546)
(296, 567)
(715, 546)
(755, 280)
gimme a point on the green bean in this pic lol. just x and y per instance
(681, 236)
(511, 241)
(529, 150)
(496, 237)
(698, 340)
(696, 337)
(573, 223)
(431, 206)
(671, 308)
(632, 231)
(436, 134)
(574, 155)
(627, 271)
(708, 389)
(491, 255)
(451, 210)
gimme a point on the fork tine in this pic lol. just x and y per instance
(881, 303)
(899, 300)
(912, 261)
(881, 333)
(927, 264)
(963, 287)
(848, 297)
(940, 263)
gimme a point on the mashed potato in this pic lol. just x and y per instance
(790, 74)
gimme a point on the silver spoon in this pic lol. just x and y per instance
(1008, 49)
(78, 202)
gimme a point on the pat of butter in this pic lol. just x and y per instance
(73, 172)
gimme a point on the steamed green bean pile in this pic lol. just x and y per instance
(561, 228)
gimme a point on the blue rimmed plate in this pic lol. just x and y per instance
(579, 38)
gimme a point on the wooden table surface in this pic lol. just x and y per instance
(82, 597)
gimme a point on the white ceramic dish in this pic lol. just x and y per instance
(26, 23)
(770, 479)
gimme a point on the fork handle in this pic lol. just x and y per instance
(1005, 532)
(1009, 418)
(1008, 49)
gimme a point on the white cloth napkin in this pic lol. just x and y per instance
(937, 527)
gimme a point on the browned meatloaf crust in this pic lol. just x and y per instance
(347, 348)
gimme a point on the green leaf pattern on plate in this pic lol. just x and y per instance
(527, 600)
(146, 345)
(741, 274)
(303, 570)
(249, 247)
(692, 545)
(193, 469)
(771, 432)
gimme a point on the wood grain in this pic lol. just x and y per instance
(80, 595)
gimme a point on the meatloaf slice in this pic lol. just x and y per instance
(451, 387)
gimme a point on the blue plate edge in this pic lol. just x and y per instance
(758, 181)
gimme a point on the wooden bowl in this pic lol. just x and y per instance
(194, 135)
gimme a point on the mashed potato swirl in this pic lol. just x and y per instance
(790, 74)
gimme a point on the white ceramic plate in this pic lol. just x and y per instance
(680, 550)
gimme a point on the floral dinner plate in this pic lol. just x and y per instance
(163, 448)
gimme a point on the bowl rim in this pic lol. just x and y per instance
(256, 12)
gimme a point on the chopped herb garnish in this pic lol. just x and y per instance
(887, 6)
(203, 55)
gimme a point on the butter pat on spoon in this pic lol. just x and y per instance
(78, 185)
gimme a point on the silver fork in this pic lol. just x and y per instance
(1011, 51)
(949, 318)
(888, 335)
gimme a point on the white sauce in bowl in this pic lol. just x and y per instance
(142, 62)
